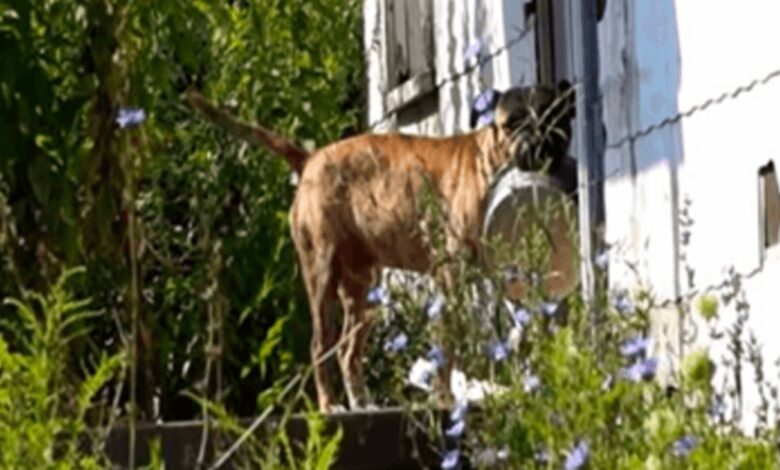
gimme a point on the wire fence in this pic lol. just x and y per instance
(675, 119)
(720, 99)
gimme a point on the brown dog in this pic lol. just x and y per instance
(355, 210)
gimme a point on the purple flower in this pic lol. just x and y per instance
(458, 413)
(130, 117)
(641, 370)
(577, 457)
(486, 118)
(549, 308)
(531, 383)
(397, 344)
(378, 296)
(473, 50)
(433, 306)
(683, 446)
(623, 304)
(497, 351)
(436, 356)
(521, 317)
(484, 101)
(456, 430)
(635, 346)
(450, 459)
(602, 260)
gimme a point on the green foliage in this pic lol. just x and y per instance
(212, 249)
(43, 405)
(561, 382)
(268, 443)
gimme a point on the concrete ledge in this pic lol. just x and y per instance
(381, 440)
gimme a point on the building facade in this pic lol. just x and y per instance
(690, 104)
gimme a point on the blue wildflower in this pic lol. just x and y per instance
(130, 117)
(450, 459)
(378, 296)
(531, 383)
(436, 356)
(433, 306)
(635, 346)
(486, 118)
(397, 344)
(456, 430)
(473, 50)
(683, 446)
(549, 308)
(601, 260)
(497, 351)
(623, 304)
(521, 317)
(577, 457)
(484, 101)
(458, 412)
(642, 370)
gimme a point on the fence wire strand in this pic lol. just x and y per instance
(729, 95)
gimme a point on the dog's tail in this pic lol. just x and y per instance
(256, 135)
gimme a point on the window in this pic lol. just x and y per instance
(552, 41)
(769, 206)
(553, 29)
(410, 52)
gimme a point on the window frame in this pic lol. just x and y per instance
(410, 59)
(768, 182)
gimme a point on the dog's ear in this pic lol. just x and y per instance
(566, 92)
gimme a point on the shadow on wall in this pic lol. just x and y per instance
(657, 59)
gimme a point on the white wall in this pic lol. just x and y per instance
(664, 56)
(723, 46)
(639, 74)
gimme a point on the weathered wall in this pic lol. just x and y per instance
(723, 46)
(660, 57)
(457, 26)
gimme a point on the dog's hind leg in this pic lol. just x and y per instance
(320, 280)
(352, 290)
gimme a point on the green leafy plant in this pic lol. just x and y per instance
(535, 383)
(44, 408)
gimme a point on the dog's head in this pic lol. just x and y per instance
(535, 124)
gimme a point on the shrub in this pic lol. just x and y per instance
(556, 383)
(43, 409)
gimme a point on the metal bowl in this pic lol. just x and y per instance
(523, 206)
